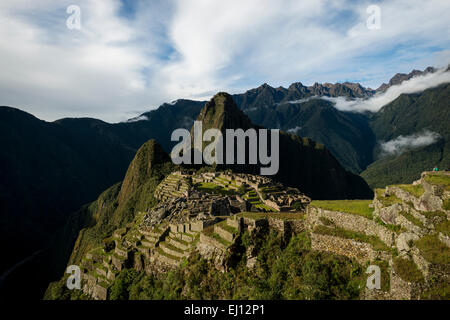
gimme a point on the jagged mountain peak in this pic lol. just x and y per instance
(398, 78)
(221, 112)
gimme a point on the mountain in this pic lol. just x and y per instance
(50, 169)
(347, 135)
(411, 114)
(266, 96)
(400, 77)
(304, 164)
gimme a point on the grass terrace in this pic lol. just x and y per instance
(439, 180)
(358, 207)
(211, 187)
(163, 253)
(209, 231)
(376, 243)
(415, 190)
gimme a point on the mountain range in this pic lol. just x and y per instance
(50, 169)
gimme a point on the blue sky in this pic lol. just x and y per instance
(131, 56)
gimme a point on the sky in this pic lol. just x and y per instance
(128, 57)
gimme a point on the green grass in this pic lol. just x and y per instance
(358, 207)
(210, 187)
(163, 253)
(181, 241)
(228, 228)
(209, 231)
(440, 291)
(408, 270)
(439, 179)
(433, 250)
(386, 200)
(415, 190)
(444, 227)
(412, 219)
(265, 207)
(376, 243)
(173, 248)
(446, 204)
(432, 214)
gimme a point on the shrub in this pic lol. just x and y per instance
(407, 270)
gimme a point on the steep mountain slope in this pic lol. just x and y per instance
(304, 163)
(51, 169)
(407, 115)
(347, 135)
(48, 170)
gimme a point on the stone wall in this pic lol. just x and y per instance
(361, 252)
(351, 222)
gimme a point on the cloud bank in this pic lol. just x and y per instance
(403, 143)
(375, 103)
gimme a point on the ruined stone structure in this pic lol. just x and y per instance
(188, 219)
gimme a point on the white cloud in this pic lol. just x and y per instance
(193, 48)
(294, 130)
(375, 103)
(403, 143)
(299, 100)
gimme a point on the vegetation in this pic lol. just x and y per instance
(444, 227)
(433, 250)
(359, 207)
(407, 270)
(291, 272)
(415, 190)
(211, 187)
(439, 179)
(446, 204)
(432, 214)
